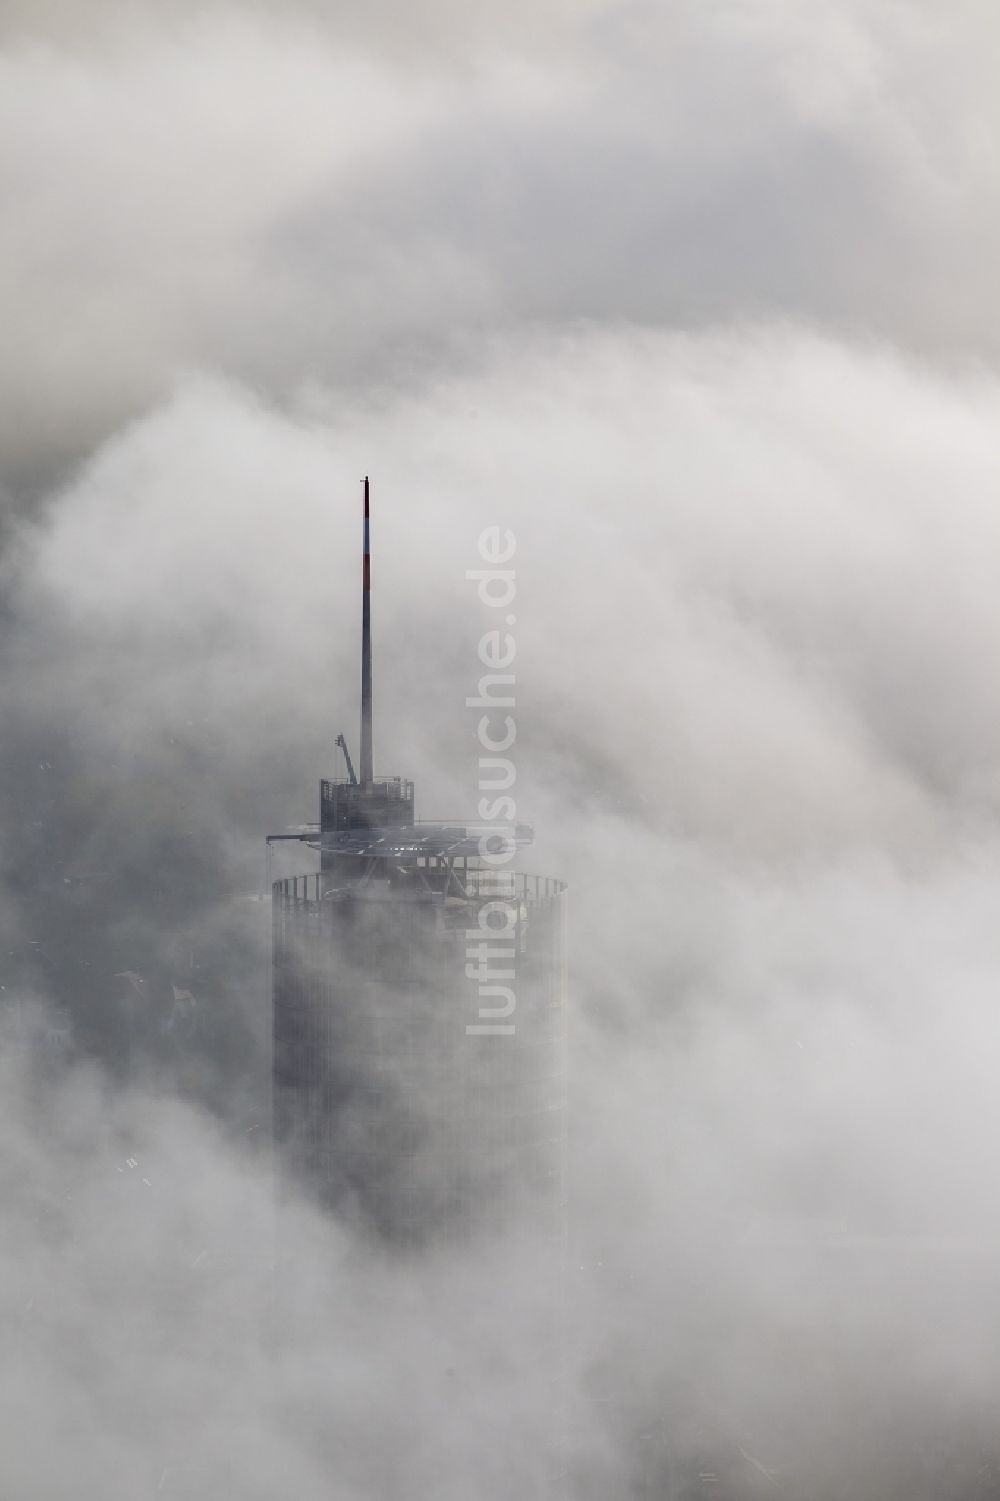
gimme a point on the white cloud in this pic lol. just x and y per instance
(757, 619)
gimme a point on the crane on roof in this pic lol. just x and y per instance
(347, 757)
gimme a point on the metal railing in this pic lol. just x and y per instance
(480, 883)
(376, 782)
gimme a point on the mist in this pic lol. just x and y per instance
(697, 304)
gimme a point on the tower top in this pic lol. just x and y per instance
(364, 818)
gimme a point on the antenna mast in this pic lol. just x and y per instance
(367, 771)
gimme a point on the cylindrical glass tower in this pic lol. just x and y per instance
(419, 1041)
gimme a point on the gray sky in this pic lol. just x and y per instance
(700, 301)
(293, 195)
